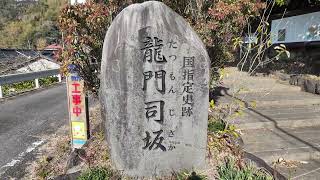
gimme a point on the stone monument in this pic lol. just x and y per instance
(154, 92)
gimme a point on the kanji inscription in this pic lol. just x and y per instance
(154, 92)
(77, 108)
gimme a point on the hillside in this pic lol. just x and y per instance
(28, 23)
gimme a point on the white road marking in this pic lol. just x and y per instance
(301, 175)
(33, 146)
(12, 163)
(21, 156)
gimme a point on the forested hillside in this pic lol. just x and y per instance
(28, 23)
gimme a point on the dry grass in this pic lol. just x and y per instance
(288, 163)
(53, 156)
(308, 76)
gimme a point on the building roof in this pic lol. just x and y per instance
(13, 59)
(53, 47)
(294, 13)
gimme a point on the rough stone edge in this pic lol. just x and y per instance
(260, 163)
(190, 36)
(189, 31)
(305, 83)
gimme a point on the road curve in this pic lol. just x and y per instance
(24, 119)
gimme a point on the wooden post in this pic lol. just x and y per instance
(37, 83)
(78, 109)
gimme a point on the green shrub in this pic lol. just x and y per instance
(27, 85)
(48, 81)
(229, 171)
(190, 175)
(42, 169)
(18, 87)
(99, 173)
(217, 22)
(216, 126)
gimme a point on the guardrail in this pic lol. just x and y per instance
(14, 78)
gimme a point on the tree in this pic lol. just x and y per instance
(9, 10)
(84, 27)
(28, 22)
(216, 21)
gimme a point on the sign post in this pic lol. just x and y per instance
(77, 105)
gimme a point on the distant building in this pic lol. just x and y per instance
(300, 31)
(39, 64)
(302, 28)
(20, 60)
(53, 51)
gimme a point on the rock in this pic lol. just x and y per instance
(300, 80)
(282, 76)
(293, 80)
(75, 159)
(309, 85)
(68, 176)
(154, 92)
(296, 80)
(317, 87)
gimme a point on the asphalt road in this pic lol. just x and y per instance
(25, 119)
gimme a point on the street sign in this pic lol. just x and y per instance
(77, 105)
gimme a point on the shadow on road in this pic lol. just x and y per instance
(223, 91)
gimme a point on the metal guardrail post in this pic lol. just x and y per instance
(1, 96)
(20, 77)
(37, 83)
(59, 77)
